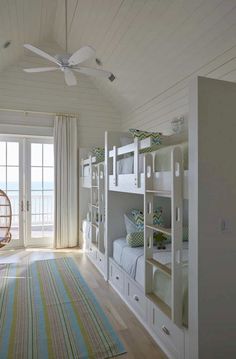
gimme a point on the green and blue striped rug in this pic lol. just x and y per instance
(48, 311)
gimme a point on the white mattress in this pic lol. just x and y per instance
(126, 165)
(86, 229)
(132, 259)
(86, 171)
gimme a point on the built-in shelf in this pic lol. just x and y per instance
(159, 265)
(159, 193)
(159, 229)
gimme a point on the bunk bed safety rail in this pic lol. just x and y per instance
(134, 149)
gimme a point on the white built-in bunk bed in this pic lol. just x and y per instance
(92, 207)
(153, 282)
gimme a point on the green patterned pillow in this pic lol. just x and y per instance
(135, 239)
(156, 139)
(138, 219)
(99, 153)
(157, 217)
(185, 234)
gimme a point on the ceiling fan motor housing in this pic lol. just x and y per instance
(63, 59)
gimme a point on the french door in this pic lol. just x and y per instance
(27, 176)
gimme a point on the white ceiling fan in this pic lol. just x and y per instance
(68, 63)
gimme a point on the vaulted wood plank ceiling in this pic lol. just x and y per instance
(150, 45)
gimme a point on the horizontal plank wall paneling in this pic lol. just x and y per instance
(30, 124)
(47, 92)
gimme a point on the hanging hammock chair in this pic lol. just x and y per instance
(5, 219)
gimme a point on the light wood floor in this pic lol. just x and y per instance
(137, 341)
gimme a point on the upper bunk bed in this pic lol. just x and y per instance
(92, 167)
(126, 163)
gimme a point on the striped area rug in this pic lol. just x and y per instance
(48, 311)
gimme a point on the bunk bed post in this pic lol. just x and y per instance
(136, 163)
(115, 165)
(148, 212)
(176, 235)
(101, 206)
(82, 167)
(90, 169)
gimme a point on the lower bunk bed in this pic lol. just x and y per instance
(126, 275)
(94, 254)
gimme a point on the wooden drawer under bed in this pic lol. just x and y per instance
(170, 335)
(136, 298)
(116, 277)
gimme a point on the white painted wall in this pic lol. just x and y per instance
(47, 92)
(212, 179)
(157, 114)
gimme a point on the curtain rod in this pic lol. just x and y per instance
(40, 112)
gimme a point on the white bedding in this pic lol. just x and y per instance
(86, 171)
(86, 229)
(126, 165)
(132, 261)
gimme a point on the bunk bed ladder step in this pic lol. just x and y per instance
(175, 272)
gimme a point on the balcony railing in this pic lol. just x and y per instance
(42, 209)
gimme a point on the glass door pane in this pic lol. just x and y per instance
(41, 203)
(11, 182)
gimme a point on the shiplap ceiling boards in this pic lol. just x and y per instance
(24, 21)
(153, 47)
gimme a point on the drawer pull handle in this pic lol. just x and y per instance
(165, 330)
(90, 249)
(117, 277)
(100, 259)
(136, 298)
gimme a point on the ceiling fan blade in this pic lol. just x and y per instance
(41, 53)
(41, 69)
(70, 78)
(95, 72)
(81, 55)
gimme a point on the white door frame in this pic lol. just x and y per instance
(25, 190)
(35, 242)
(20, 241)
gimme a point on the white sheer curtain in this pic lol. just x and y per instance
(65, 149)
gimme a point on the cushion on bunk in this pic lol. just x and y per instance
(99, 153)
(138, 218)
(135, 239)
(134, 219)
(158, 217)
(156, 139)
(185, 234)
